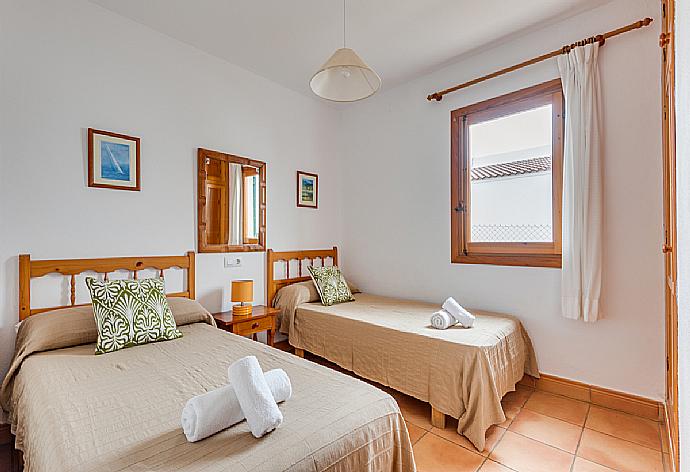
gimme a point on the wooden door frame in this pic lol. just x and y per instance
(666, 42)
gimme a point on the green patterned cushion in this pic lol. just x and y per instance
(331, 285)
(130, 312)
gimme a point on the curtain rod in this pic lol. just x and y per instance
(600, 38)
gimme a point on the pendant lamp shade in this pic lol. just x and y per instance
(345, 77)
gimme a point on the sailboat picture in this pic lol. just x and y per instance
(113, 160)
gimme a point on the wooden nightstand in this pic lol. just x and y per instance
(263, 318)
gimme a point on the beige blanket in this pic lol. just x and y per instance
(461, 372)
(74, 411)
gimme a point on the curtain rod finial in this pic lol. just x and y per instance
(647, 21)
(435, 96)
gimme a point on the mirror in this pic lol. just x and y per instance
(231, 203)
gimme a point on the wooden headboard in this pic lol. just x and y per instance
(29, 269)
(310, 256)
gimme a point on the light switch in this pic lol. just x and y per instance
(233, 261)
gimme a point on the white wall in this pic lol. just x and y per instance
(682, 41)
(515, 200)
(396, 201)
(70, 65)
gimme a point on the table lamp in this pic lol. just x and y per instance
(243, 292)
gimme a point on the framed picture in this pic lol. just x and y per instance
(307, 190)
(113, 160)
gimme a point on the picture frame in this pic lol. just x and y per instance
(307, 190)
(114, 160)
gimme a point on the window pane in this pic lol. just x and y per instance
(510, 175)
(251, 208)
(255, 207)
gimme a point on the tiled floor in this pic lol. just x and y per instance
(543, 433)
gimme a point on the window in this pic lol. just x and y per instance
(250, 210)
(506, 179)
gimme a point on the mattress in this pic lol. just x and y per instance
(461, 372)
(72, 410)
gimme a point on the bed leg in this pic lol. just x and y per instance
(299, 352)
(438, 419)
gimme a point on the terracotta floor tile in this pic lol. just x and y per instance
(513, 402)
(527, 455)
(491, 466)
(493, 435)
(414, 411)
(583, 465)
(555, 406)
(434, 454)
(521, 393)
(512, 405)
(519, 396)
(415, 432)
(622, 425)
(551, 431)
(617, 453)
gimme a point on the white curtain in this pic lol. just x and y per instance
(582, 184)
(235, 204)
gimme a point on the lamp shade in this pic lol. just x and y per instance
(345, 78)
(242, 290)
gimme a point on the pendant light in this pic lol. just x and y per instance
(345, 77)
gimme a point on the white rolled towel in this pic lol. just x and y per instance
(254, 396)
(442, 320)
(455, 310)
(205, 415)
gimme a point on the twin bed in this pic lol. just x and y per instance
(72, 410)
(460, 372)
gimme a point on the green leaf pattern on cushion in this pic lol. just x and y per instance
(113, 333)
(331, 285)
(104, 292)
(147, 327)
(130, 312)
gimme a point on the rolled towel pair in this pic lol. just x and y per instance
(442, 320)
(462, 316)
(205, 415)
(254, 395)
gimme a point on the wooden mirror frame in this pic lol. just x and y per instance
(202, 244)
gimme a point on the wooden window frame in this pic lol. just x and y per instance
(531, 254)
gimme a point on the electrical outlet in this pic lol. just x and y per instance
(233, 261)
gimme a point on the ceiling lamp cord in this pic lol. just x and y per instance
(344, 23)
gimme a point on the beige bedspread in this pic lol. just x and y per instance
(463, 373)
(75, 411)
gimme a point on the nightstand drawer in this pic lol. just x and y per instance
(262, 319)
(253, 326)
